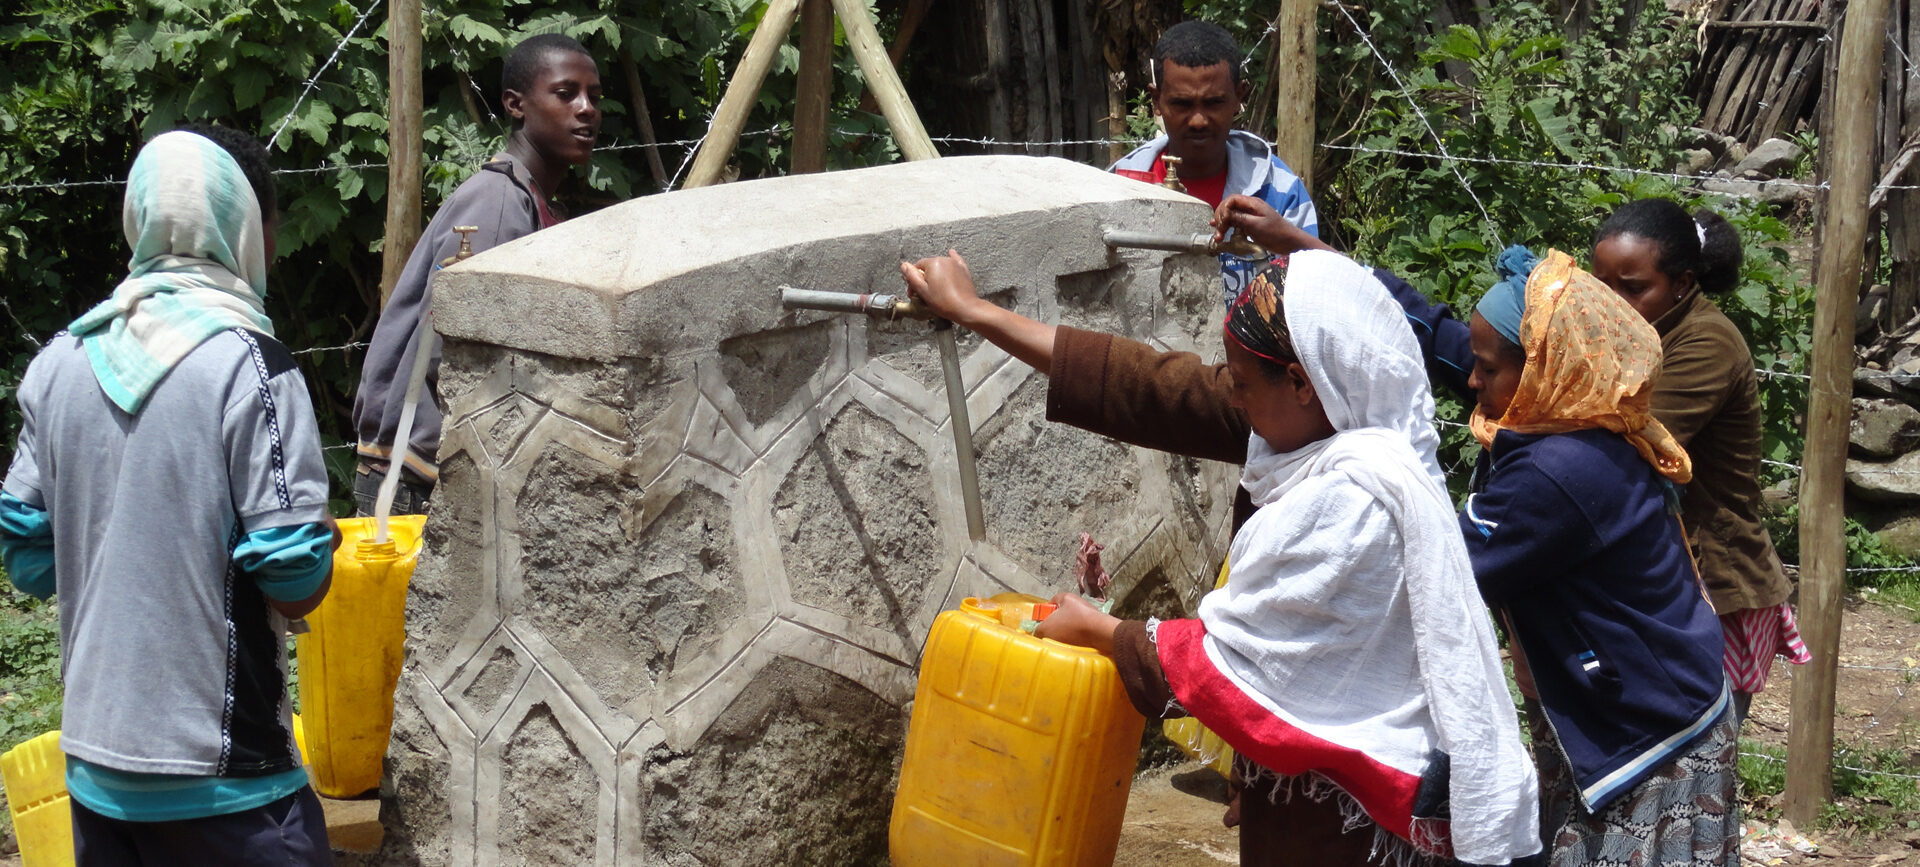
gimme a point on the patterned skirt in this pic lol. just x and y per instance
(1684, 815)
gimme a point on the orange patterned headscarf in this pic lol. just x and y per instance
(1591, 361)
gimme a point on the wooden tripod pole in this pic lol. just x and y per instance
(908, 134)
(731, 115)
(810, 124)
(1823, 550)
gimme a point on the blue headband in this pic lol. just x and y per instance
(1506, 302)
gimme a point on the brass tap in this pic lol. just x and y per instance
(466, 245)
(1173, 174)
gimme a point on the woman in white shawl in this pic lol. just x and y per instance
(1348, 660)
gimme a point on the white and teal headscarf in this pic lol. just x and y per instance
(199, 266)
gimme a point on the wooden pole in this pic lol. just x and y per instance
(816, 87)
(403, 142)
(643, 118)
(1823, 555)
(742, 92)
(1295, 32)
(908, 133)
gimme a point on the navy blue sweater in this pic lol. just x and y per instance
(1573, 536)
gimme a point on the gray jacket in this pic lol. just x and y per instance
(500, 200)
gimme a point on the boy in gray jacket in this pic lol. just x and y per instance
(551, 89)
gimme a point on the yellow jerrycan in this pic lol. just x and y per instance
(1020, 750)
(1196, 740)
(350, 656)
(35, 774)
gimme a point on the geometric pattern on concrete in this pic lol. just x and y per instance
(623, 547)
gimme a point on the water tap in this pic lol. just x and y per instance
(466, 245)
(1173, 174)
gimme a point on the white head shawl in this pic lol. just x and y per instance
(1372, 634)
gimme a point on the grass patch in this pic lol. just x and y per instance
(1876, 789)
(30, 691)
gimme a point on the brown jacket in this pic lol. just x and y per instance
(1166, 401)
(1708, 397)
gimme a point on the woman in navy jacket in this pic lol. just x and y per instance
(1572, 530)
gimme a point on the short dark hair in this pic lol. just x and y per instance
(1721, 255)
(1196, 44)
(526, 58)
(1715, 264)
(251, 154)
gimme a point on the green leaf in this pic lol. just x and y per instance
(249, 85)
(349, 184)
(470, 30)
(1557, 128)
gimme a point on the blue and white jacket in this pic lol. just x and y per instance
(1252, 170)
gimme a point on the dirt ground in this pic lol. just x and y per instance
(1173, 814)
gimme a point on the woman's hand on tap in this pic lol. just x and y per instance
(1267, 227)
(945, 284)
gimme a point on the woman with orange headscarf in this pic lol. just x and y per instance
(1574, 537)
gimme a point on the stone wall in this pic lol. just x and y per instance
(687, 545)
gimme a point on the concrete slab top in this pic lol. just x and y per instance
(570, 290)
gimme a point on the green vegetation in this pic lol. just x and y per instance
(86, 82)
(1875, 789)
(29, 668)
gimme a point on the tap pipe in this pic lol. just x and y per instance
(962, 428)
(875, 305)
(1198, 242)
(897, 307)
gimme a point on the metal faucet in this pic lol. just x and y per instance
(466, 245)
(1173, 174)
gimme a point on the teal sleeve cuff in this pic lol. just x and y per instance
(289, 563)
(26, 546)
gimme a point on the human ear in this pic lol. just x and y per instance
(513, 102)
(1302, 384)
(1244, 90)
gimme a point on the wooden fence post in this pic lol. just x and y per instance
(644, 118)
(816, 87)
(1823, 555)
(403, 142)
(1295, 34)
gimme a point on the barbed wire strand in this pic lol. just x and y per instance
(24, 331)
(1912, 70)
(1030, 145)
(1871, 773)
(344, 346)
(1404, 93)
(315, 80)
